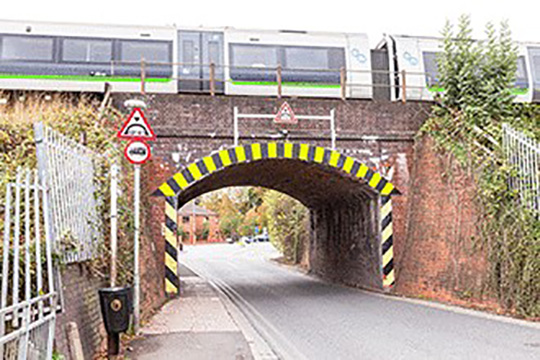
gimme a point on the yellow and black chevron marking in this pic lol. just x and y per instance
(304, 152)
(387, 242)
(254, 152)
(172, 284)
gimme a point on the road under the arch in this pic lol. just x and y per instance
(344, 235)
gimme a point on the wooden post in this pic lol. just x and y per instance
(403, 86)
(343, 83)
(143, 77)
(278, 73)
(212, 79)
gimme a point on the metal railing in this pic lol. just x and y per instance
(28, 297)
(68, 169)
(397, 80)
(523, 153)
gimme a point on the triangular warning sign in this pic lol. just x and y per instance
(136, 127)
(285, 115)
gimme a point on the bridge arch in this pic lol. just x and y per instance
(350, 204)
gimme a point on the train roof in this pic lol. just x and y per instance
(439, 38)
(26, 23)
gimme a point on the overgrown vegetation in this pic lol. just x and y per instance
(478, 81)
(81, 119)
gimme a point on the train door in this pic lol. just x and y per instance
(189, 57)
(196, 51)
(212, 53)
(381, 74)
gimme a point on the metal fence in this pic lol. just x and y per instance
(68, 169)
(210, 78)
(28, 297)
(523, 153)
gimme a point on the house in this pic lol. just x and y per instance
(198, 224)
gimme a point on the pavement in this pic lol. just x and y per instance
(199, 325)
(302, 317)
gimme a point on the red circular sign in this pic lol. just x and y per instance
(137, 152)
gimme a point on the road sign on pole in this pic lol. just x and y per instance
(136, 127)
(137, 152)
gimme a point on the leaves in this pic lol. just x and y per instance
(478, 77)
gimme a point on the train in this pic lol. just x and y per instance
(48, 56)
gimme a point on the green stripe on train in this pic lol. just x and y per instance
(83, 78)
(514, 91)
(287, 83)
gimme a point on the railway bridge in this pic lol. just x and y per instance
(356, 191)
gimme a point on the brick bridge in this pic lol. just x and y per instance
(344, 189)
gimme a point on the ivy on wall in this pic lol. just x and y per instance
(466, 123)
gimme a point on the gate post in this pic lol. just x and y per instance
(172, 283)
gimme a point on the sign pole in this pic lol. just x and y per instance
(137, 130)
(136, 275)
(114, 222)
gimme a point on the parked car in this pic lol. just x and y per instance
(246, 240)
(262, 238)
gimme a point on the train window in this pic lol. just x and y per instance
(213, 52)
(522, 81)
(310, 58)
(27, 48)
(151, 51)
(306, 58)
(84, 50)
(336, 58)
(431, 68)
(534, 56)
(254, 55)
(188, 52)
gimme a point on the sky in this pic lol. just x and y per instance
(413, 17)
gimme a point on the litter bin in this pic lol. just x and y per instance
(116, 308)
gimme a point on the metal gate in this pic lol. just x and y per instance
(68, 169)
(48, 211)
(28, 297)
(523, 153)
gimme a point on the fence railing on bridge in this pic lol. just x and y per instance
(213, 77)
(523, 153)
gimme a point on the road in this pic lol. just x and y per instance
(303, 317)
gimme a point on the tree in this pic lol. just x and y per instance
(478, 80)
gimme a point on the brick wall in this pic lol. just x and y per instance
(81, 305)
(438, 258)
(152, 241)
(344, 244)
(192, 126)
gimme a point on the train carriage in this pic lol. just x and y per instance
(75, 57)
(417, 56)
(312, 64)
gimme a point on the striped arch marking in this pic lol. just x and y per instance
(201, 168)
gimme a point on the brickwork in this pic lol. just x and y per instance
(80, 305)
(344, 245)
(152, 240)
(438, 258)
(379, 134)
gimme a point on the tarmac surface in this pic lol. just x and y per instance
(302, 317)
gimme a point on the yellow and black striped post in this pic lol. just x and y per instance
(172, 283)
(387, 242)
